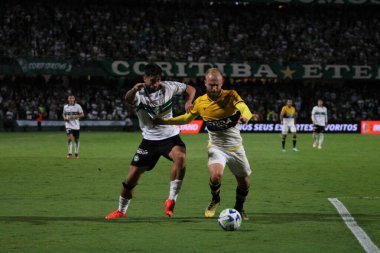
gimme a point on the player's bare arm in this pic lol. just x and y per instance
(190, 94)
(130, 96)
(282, 117)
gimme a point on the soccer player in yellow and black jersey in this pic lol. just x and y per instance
(288, 117)
(222, 111)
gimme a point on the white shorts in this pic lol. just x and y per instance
(236, 160)
(288, 126)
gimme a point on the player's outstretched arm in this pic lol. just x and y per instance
(179, 120)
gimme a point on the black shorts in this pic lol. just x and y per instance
(318, 129)
(74, 132)
(149, 152)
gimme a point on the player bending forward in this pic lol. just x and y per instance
(222, 111)
(319, 119)
(153, 98)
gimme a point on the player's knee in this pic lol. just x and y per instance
(216, 176)
(129, 185)
(180, 157)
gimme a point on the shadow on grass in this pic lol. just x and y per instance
(41, 220)
(257, 218)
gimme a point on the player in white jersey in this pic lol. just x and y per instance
(72, 112)
(319, 119)
(153, 98)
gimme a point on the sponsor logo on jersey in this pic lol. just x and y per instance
(222, 124)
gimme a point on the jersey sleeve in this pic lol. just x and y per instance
(177, 87)
(236, 97)
(80, 110)
(195, 108)
(136, 100)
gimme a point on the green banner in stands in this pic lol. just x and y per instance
(47, 66)
(247, 70)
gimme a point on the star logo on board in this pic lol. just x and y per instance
(288, 72)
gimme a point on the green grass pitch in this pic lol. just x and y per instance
(51, 204)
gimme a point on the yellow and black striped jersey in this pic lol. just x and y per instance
(221, 113)
(221, 118)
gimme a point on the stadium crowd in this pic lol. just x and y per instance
(91, 30)
(102, 99)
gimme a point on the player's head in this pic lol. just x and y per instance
(213, 81)
(71, 99)
(289, 102)
(152, 76)
(320, 102)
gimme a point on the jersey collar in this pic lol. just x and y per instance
(221, 91)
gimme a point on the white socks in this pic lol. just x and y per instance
(123, 204)
(315, 137)
(321, 138)
(77, 147)
(70, 147)
(175, 186)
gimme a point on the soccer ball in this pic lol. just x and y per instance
(229, 219)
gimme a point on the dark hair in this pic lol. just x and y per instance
(152, 70)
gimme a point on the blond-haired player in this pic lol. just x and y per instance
(288, 117)
(222, 111)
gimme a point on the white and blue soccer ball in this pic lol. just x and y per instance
(229, 219)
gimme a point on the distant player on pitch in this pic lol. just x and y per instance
(222, 111)
(72, 112)
(153, 98)
(288, 117)
(319, 119)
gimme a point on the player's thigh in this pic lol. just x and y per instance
(216, 156)
(75, 134)
(146, 155)
(285, 129)
(293, 129)
(173, 149)
(239, 164)
(320, 129)
(69, 134)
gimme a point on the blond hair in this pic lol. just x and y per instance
(213, 71)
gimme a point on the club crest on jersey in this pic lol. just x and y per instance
(136, 158)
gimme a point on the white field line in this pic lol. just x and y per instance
(358, 197)
(350, 222)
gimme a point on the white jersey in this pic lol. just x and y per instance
(68, 110)
(157, 104)
(319, 115)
